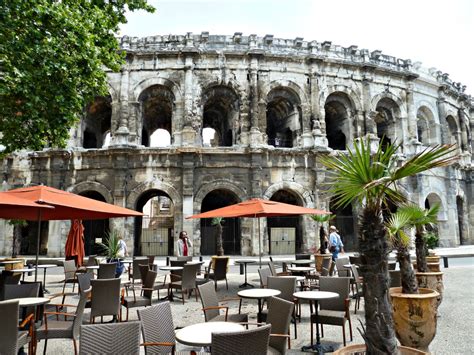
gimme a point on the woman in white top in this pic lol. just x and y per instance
(184, 245)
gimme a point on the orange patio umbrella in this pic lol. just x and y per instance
(63, 205)
(257, 208)
(74, 248)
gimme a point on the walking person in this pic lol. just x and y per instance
(184, 245)
(335, 243)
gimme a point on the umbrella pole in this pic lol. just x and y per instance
(38, 235)
(259, 245)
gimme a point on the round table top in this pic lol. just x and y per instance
(301, 268)
(200, 334)
(23, 270)
(298, 278)
(315, 295)
(258, 293)
(195, 262)
(32, 301)
(302, 262)
(245, 261)
(46, 266)
(6, 262)
(171, 268)
(93, 267)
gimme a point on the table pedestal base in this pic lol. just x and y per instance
(246, 284)
(318, 348)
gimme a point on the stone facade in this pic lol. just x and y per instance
(274, 105)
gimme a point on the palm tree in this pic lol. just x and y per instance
(218, 221)
(421, 217)
(321, 219)
(371, 180)
(396, 224)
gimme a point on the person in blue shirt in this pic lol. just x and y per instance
(335, 242)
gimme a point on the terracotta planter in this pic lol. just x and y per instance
(319, 260)
(360, 349)
(432, 259)
(433, 267)
(433, 281)
(20, 264)
(415, 317)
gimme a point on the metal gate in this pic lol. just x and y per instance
(154, 241)
(282, 241)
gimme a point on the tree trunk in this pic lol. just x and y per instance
(220, 249)
(16, 240)
(380, 333)
(420, 251)
(322, 240)
(409, 283)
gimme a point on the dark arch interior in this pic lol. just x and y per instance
(220, 108)
(460, 211)
(283, 118)
(154, 232)
(94, 229)
(231, 227)
(97, 122)
(280, 229)
(345, 223)
(157, 109)
(27, 236)
(335, 117)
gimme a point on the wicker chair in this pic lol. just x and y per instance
(220, 271)
(358, 283)
(107, 271)
(145, 298)
(134, 272)
(118, 338)
(105, 300)
(11, 339)
(279, 316)
(184, 258)
(264, 273)
(287, 287)
(187, 282)
(69, 274)
(158, 340)
(8, 278)
(253, 341)
(334, 311)
(341, 270)
(211, 307)
(66, 329)
(273, 270)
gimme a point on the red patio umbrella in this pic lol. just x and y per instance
(74, 248)
(257, 208)
(66, 206)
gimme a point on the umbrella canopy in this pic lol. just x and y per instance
(259, 208)
(75, 242)
(9, 203)
(67, 205)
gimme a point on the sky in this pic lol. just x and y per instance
(437, 33)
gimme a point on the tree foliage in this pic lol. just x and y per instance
(52, 59)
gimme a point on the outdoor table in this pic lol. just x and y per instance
(303, 269)
(200, 334)
(259, 294)
(44, 267)
(316, 296)
(32, 302)
(245, 262)
(23, 271)
(301, 262)
(170, 268)
(300, 279)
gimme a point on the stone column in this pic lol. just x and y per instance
(411, 116)
(256, 105)
(188, 133)
(188, 202)
(121, 135)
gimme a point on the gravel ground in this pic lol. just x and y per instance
(454, 331)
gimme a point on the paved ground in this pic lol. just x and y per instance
(455, 322)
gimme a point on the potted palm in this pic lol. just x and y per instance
(413, 328)
(371, 180)
(322, 219)
(112, 250)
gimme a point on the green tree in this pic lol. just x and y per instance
(371, 181)
(322, 219)
(52, 59)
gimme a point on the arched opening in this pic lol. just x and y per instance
(220, 113)
(452, 130)
(154, 231)
(94, 230)
(156, 109)
(337, 110)
(97, 122)
(160, 138)
(387, 111)
(461, 226)
(345, 224)
(285, 233)
(284, 117)
(107, 138)
(426, 127)
(431, 200)
(208, 137)
(231, 227)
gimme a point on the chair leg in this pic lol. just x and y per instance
(127, 315)
(226, 284)
(45, 346)
(294, 319)
(75, 346)
(322, 330)
(350, 328)
(312, 332)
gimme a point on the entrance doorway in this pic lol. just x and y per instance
(95, 231)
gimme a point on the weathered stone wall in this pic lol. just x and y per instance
(275, 105)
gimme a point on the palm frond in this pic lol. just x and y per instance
(322, 218)
(396, 225)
